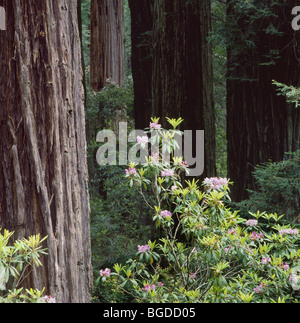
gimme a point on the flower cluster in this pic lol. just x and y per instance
(167, 173)
(284, 265)
(184, 164)
(143, 249)
(155, 125)
(216, 183)
(293, 278)
(131, 171)
(105, 273)
(166, 214)
(265, 260)
(142, 140)
(49, 299)
(148, 287)
(260, 288)
(255, 236)
(289, 231)
(251, 223)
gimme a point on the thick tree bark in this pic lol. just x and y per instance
(43, 171)
(141, 39)
(172, 66)
(107, 43)
(261, 125)
(182, 81)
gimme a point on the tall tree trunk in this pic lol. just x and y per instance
(107, 43)
(141, 39)
(43, 171)
(182, 80)
(172, 66)
(261, 125)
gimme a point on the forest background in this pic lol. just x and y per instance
(254, 55)
(230, 68)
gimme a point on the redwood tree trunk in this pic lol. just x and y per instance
(182, 81)
(141, 39)
(43, 170)
(107, 43)
(261, 125)
(172, 66)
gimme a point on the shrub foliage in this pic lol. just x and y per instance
(205, 251)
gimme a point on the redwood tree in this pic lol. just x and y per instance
(182, 82)
(141, 56)
(261, 126)
(107, 43)
(172, 60)
(43, 170)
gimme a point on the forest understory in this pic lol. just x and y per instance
(150, 151)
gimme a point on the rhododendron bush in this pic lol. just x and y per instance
(17, 260)
(206, 252)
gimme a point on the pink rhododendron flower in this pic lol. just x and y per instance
(147, 288)
(144, 248)
(142, 140)
(216, 183)
(167, 173)
(155, 125)
(131, 171)
(259, 289)
(254, 236)
(265, 260)
(49, 299)
(184, 164)
(289, 231)
(166, 214)
(105, 273)
(285, 266)
(251, 223)
(293, 278)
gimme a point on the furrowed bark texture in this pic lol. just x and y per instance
(107, 43)
(261, 125)
(141, 56)
(177, 70)
(43, 171)
(182, 69)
